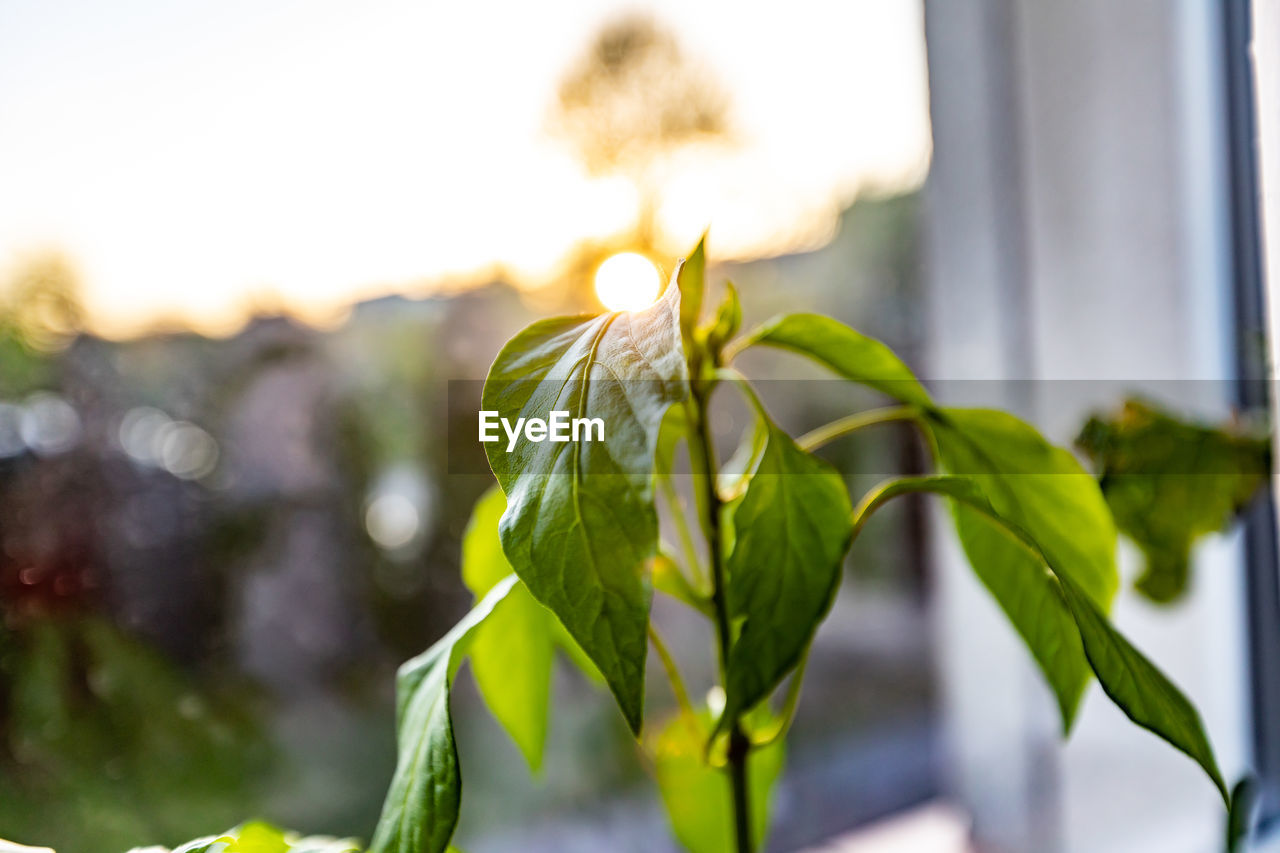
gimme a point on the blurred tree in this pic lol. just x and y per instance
(633, 98)
(42, 302)
(40, 314)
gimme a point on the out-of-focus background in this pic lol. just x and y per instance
(244, 248)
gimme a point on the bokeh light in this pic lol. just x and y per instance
(49, 424)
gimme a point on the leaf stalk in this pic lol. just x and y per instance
(828, 433)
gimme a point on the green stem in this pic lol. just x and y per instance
(739, 744)
(676, 505)
(673, 673)
(828, 433)
(739, 750)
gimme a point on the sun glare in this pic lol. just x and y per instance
(627, 282)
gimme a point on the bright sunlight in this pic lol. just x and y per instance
(141, 150)
(628, 282)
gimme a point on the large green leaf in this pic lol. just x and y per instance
(580, 523)
(1169, 482)
(1131, 681)
(1041, 487)
(850, 354)
(696, 795)
(787, 531)
(512, 651)
(1044, 490)
(1140, 689)
(1017, 580)
(1029, 597)
(421, 808)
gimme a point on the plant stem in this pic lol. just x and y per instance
(682, 530)
(739, 750)
(673, 673)
(828, 433)
(739, 744)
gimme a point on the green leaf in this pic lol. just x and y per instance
(569, 646)
(1134, 684)
(421, 809)
(483, 562)
(580, 524)
(728, 319)
(789, 530)
(1016, 578)
(1045, 491)
(834, 345)
(511, 659)
(696, 795)
(1041, 487)
(1034, 606)
(258, 837)
(512, 651)
(1143, 692)
(674, 429)
(691, 279)
(1169, 483)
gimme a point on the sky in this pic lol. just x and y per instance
(197, 159)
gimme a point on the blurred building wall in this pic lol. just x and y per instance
(1077, 231)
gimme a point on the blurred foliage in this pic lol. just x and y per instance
(107, 741)
(40, 314)
(1170, 482)
(42, 303)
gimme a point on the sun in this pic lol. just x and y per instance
(627, 282)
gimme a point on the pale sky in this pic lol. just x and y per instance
(192, 157)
